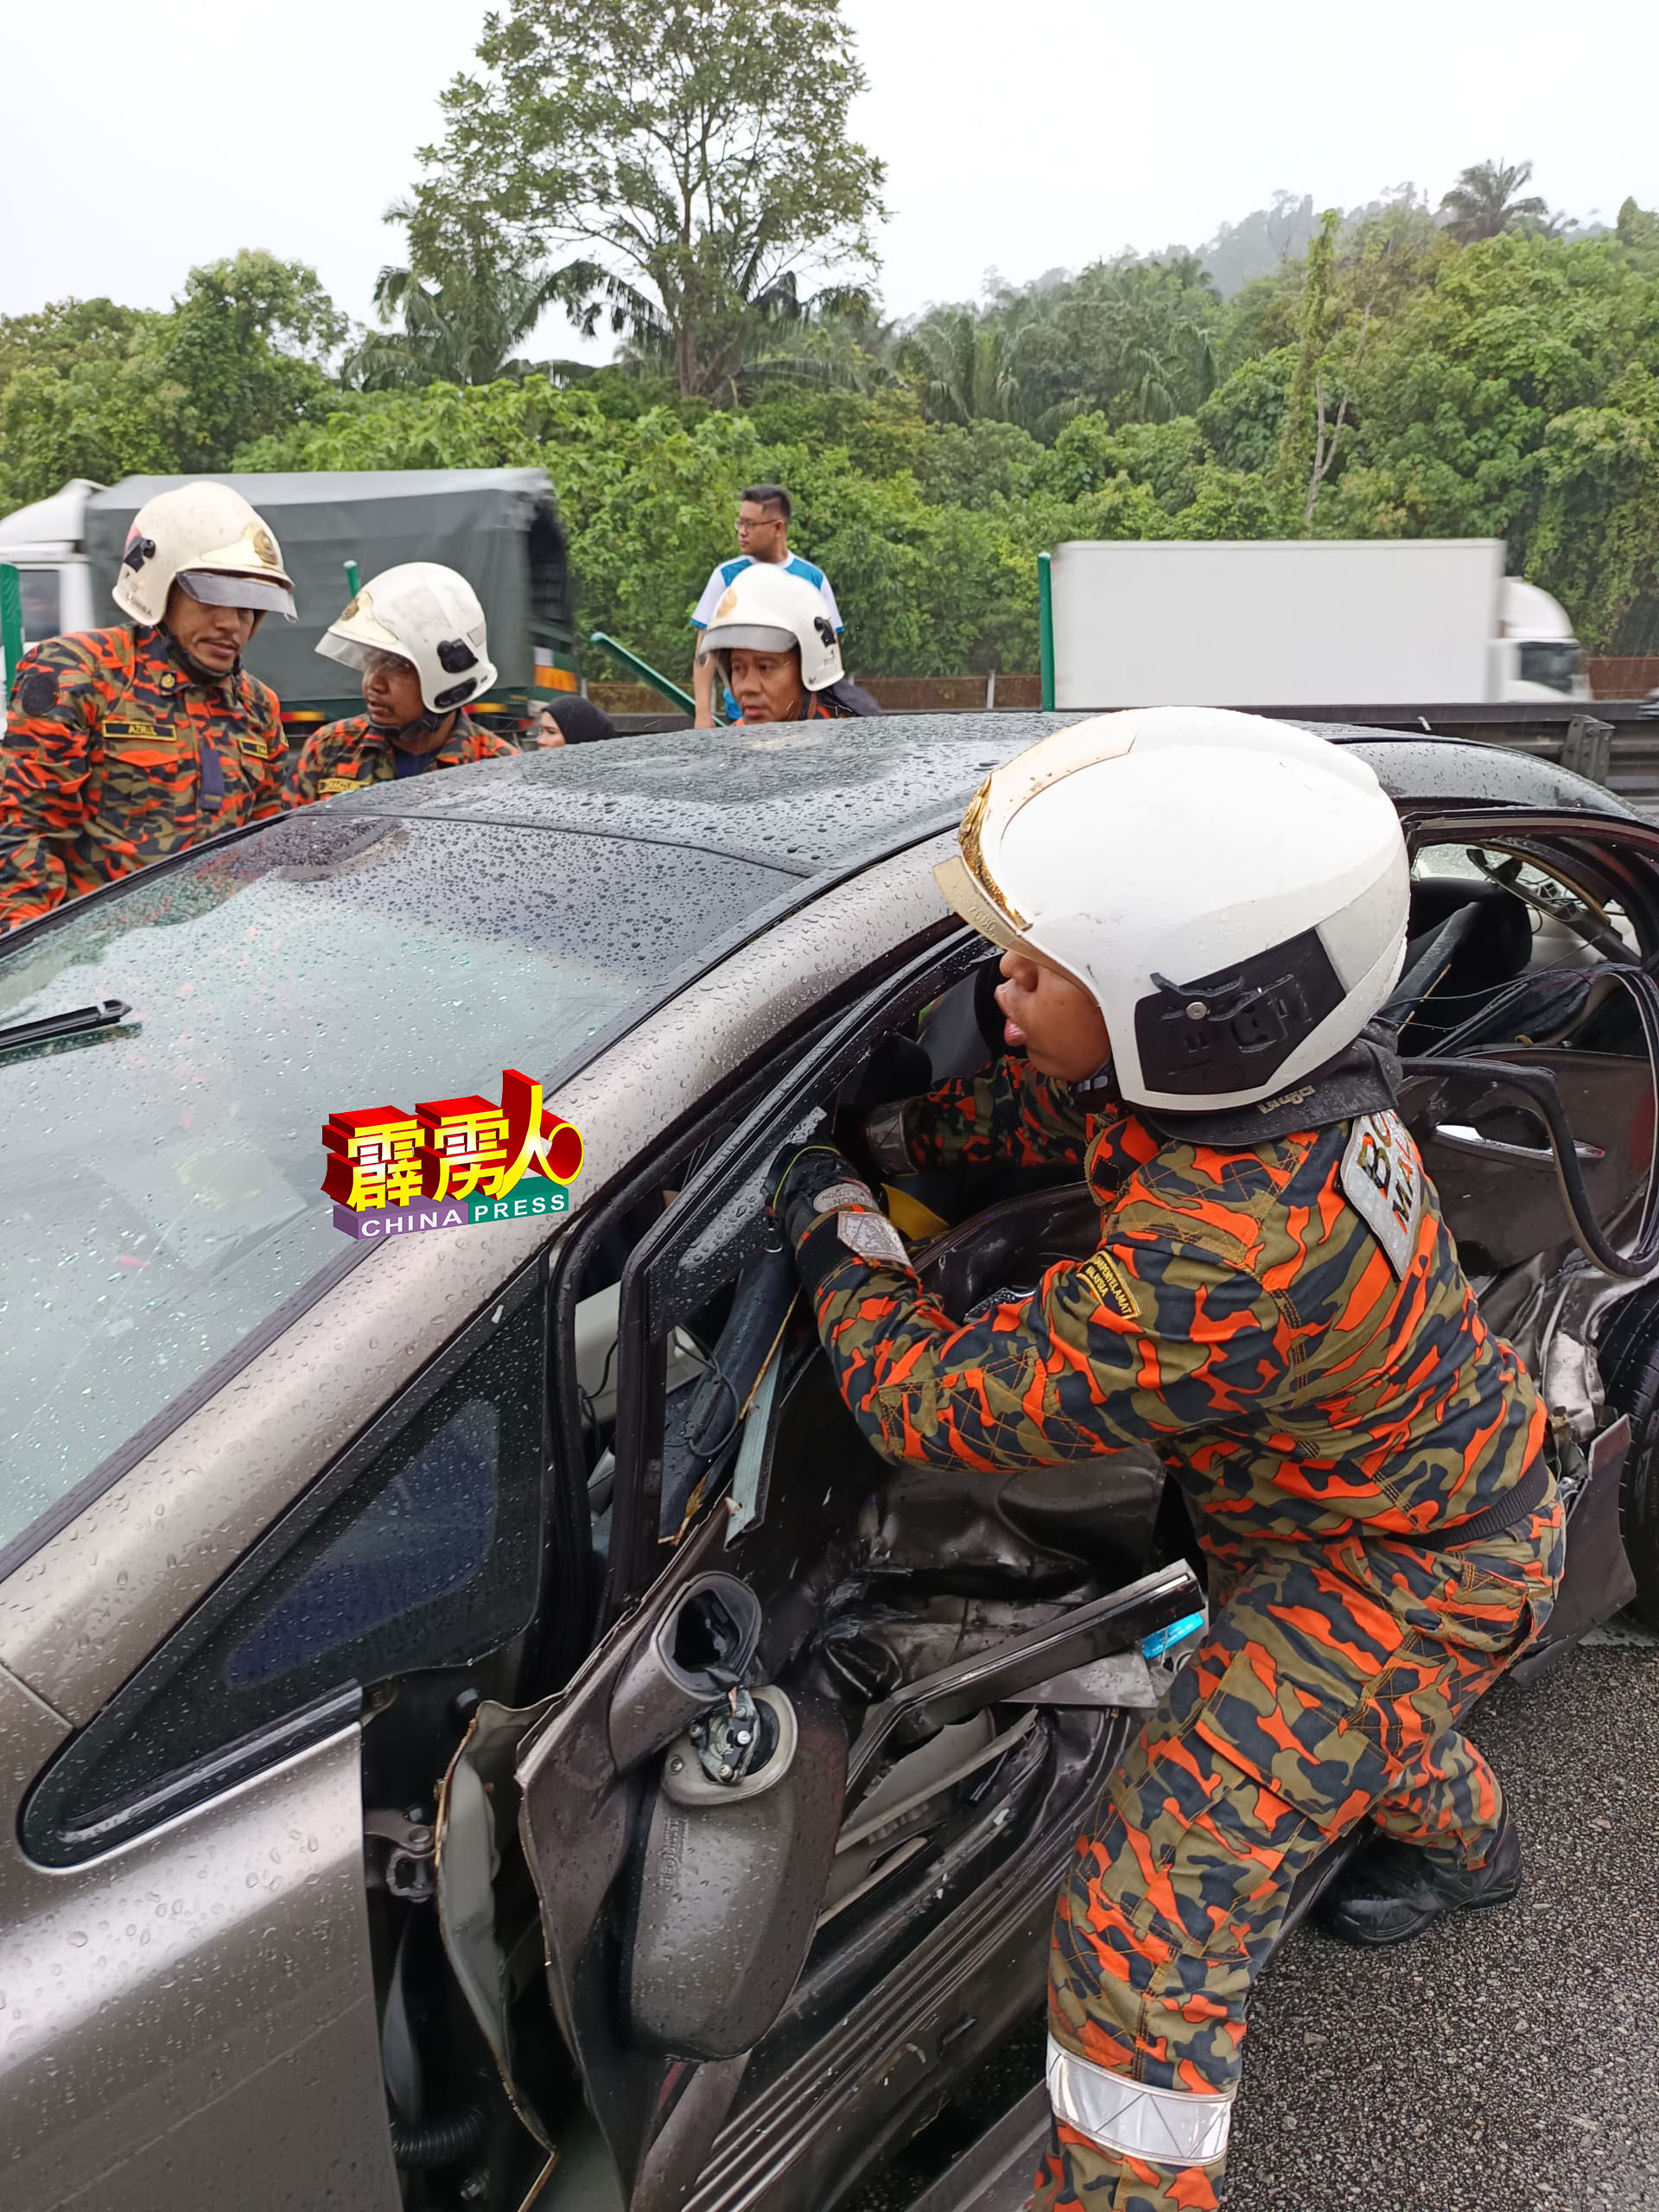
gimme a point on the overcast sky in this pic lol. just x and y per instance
(1015, 138)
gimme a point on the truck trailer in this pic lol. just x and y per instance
(1302, 623)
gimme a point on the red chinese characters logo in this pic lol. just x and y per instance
(448, 1148)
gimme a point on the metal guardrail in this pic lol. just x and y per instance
(1614, 742)
(646, 672)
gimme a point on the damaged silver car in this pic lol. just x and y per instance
(481, 1729)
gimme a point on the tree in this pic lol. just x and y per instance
(91, 388)
(965, 370)
(1297, 459)
(81, 394)
(247, 346)
(692, 156)
(464, 315)
(1483, 201)
(1637, 233)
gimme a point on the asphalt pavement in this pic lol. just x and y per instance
(1507, 2061)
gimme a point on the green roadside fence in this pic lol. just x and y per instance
(645, 672)
(1045, 627)
(11, 621)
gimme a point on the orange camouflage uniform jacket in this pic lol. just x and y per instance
(346, 756)
(1286, 1324)
(117, 753)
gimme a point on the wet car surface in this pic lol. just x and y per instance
(358, 1606)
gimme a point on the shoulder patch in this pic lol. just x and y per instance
(1106, 1279)
(1382, 1180)
(38, 692)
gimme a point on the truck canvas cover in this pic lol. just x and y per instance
(498, 526)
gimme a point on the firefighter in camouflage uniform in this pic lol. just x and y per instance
(418, 633)
(125, 745)
(1277, 1306)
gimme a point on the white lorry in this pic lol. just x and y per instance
(1302, 622)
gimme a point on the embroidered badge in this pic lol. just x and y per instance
(327, 785)
(1382, 1180)
(1106, 1279)
(872, 1237)
(38, 692)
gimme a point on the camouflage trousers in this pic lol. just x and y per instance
(1327, 1692)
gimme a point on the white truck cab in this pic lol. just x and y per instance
(45, 545)
(1538, 657)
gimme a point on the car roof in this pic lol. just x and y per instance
(817, 798)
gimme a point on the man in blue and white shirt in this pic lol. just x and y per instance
(763, 517)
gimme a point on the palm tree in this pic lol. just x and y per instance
(464, 319)
(966, 366)
(1483, 201)
(832, 338)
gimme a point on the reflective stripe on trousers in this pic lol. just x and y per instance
(1173, 2127)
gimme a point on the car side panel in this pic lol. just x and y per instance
(196, 2007)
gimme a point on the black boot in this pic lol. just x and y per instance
(1391, 1891)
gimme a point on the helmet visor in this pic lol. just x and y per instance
(963, 891)
(750, 638)
(257, 594)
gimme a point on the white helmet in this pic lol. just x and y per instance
(206, 538)
(427, 615)
(765, 610)
(1231, 891)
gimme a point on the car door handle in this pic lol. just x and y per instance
(1458, 1137)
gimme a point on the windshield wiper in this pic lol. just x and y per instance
(104, 1015)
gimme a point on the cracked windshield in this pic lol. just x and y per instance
(164, 1170)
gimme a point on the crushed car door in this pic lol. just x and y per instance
(682, 1804)
(679, 1807)
(679, 1812)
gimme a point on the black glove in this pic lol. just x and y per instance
(817, 1180)
(798, 1177)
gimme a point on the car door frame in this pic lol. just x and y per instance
(661, 2118)
(818, 1067)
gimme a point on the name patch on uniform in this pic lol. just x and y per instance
(1106, 1279)
(1382, 1180)
(328, 785)
(252, 742)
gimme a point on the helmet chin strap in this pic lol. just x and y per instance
(200, 669)
(426, 725)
